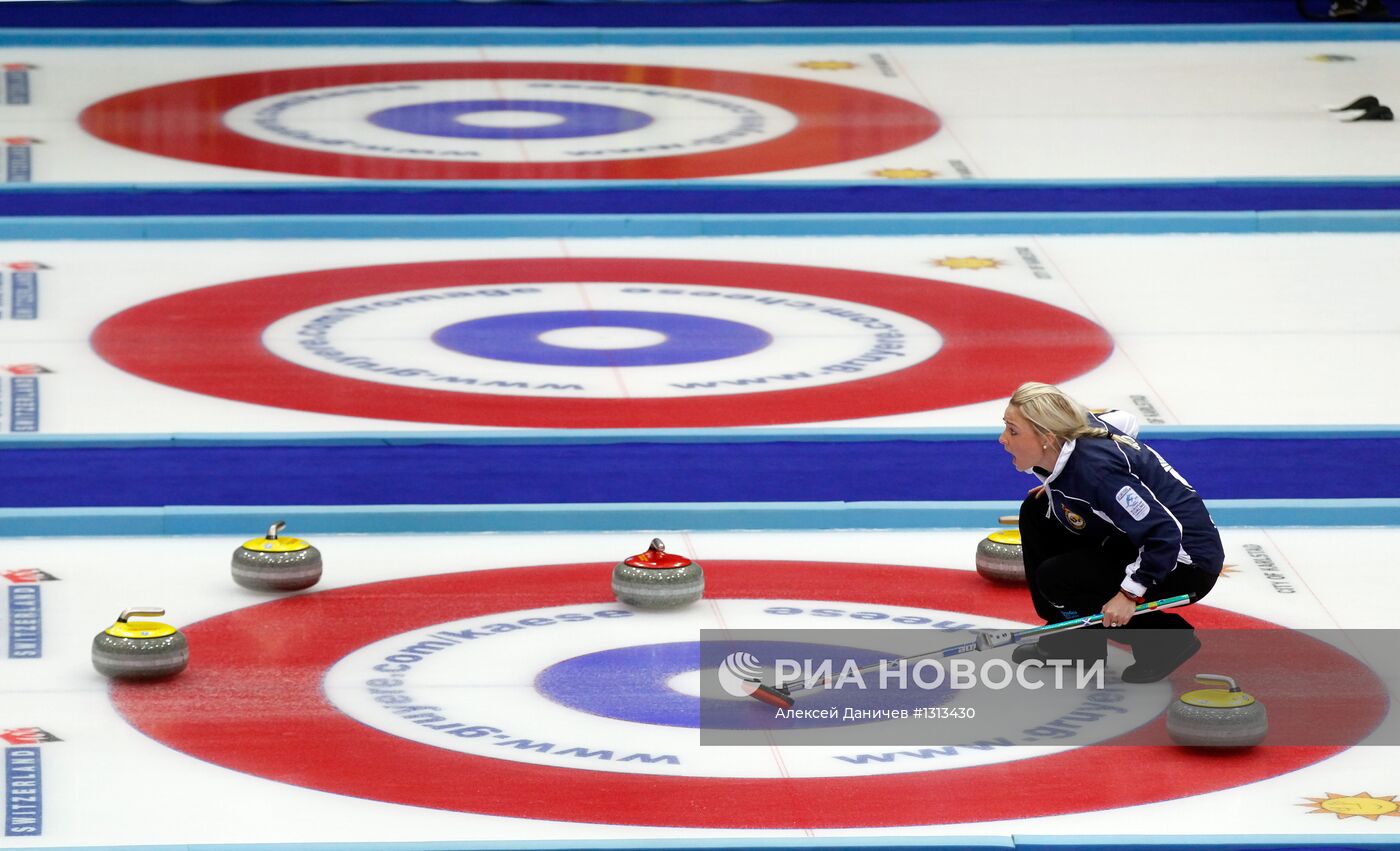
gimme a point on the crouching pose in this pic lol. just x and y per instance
(1110, 525)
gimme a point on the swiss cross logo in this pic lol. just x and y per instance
(26, 575)
(28, 736)
(25, 266)
(26, 369)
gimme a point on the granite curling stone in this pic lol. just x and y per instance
(657, 579)
(140, 650)
(1217, 717)
(271, 563)
(999, 555)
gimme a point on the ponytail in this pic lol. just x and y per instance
(1055, 414)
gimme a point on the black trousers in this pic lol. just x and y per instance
(1073, 575)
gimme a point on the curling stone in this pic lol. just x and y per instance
(657, 579)
(999, 555)
(1217, 717)
(140, 650)
(271, 563)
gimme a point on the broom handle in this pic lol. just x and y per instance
(1035, 632)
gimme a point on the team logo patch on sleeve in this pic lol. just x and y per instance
(1135, 505)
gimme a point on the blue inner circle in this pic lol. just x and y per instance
(629, 684)
(516, 337)
(443, 118)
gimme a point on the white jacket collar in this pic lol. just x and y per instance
(1065, 452)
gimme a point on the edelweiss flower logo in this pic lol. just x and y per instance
(739, 674)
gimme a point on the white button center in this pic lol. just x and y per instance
(509, 118)
(602, 337)
(687, 683)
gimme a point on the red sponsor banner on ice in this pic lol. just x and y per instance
(27, 575)
(27, 736)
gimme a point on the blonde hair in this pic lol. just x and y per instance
(1054, 413)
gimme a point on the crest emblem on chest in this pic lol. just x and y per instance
(1075, 521)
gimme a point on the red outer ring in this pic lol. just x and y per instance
(260, 669)
(824, 133)
(211, 343)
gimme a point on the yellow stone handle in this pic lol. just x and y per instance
(1218, 680)
(153, 611)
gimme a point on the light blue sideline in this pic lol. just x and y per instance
(505, 36)
(626, 517)
(874, 843)
(690, 225)
(535, 437)
(952, 843)
(1256, 842)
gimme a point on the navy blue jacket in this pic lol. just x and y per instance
(1101, 487)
